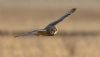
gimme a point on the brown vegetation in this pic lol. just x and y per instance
(79, 36)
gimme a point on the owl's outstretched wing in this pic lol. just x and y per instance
(26, 34)
(63, 17)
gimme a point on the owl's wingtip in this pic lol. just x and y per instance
(73, 9)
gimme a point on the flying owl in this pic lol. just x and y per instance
(50, 29)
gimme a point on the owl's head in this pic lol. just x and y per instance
(51, 30)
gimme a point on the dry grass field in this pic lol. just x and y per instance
(79, 34)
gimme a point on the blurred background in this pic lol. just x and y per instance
(36, 14)
(27, 15)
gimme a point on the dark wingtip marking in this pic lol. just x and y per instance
(73, 10)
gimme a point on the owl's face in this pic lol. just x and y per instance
(51, 30)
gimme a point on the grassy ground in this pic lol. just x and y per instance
(79, 36)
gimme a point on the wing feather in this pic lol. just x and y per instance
(62, 18)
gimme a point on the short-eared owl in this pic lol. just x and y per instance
(50, 29)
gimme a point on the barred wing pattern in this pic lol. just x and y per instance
(63, 17)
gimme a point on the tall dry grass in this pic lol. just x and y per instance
(79, 36)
